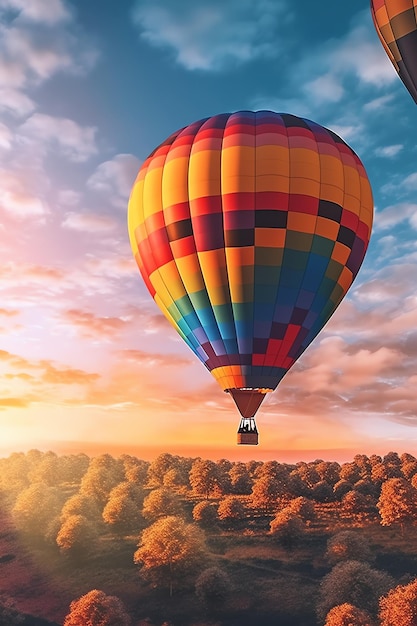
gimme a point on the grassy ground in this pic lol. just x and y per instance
(272, 584)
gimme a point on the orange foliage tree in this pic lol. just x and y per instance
(96, 608)
(399, 606)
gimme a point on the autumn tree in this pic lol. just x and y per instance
(159, 503)
(203, 477)
(76, 536)
(329, 471)
(341, 488)
(135, 470)
(81, 504)
(287, 527)
(35, 507)
(240, 479)
(355, 503)
(304, 508)
(399, 606)
(265, 493)
(348, 615)
(353, 582)
(168, 549)
(397, 503)
(103, 474)
(205, 513)
(348, 545)
(123, 509)
(47, 470)
(322, 492)
(96, 608)
(159, 467)
(231, 509)
(213, 586)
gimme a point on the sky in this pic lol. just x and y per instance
(87, 91)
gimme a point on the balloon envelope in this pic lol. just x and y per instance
(248, 229)
(396, 24)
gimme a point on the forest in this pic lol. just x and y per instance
(181, 541)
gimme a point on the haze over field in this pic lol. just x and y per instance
(87, 90)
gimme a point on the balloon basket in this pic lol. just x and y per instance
(247, 435)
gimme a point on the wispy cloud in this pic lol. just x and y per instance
(50, 12)
(88, 223)
(115, 178)
(216, 35)
(76, 142)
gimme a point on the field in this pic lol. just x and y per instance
(273, 582)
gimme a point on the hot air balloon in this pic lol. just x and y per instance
(248, 229)
(396, 24)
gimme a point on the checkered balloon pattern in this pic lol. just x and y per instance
(396, 24)
(248, 229)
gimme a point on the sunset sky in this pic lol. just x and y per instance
(87, 90)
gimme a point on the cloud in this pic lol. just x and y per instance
(393, 215)
(36, 42)
(16, 197)
(66, 376)
(6, 137)
(154, 360)
(389, 151)
(88, 223)
(76, 142)
(92, 326)
(325, 88)
(216, 35)
(49, 12)
(8, 312)
(7, 403)
(16, 102)
(115, 178)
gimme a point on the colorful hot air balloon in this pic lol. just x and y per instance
(248, 229)
(396, 24)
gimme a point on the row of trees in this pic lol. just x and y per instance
(320, 480)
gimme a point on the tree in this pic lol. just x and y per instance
(304, 508)
(159, 467)
(287, 527)
(159, 503)
(76, 535)
(169, 548)
(96, 608)
(322, 492)
(265, 493)
(355, 503)
(231, 509)
(240, 479)
(397, 503)
(353, 582)
(103, 474)
(212, 586)
(47, 470)
(203, 477)
(348, 545)
(35, 507)
(123, 508)
(399, 606)
(81, 504)
(348, 615)
(341, 488)
(205, 513)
